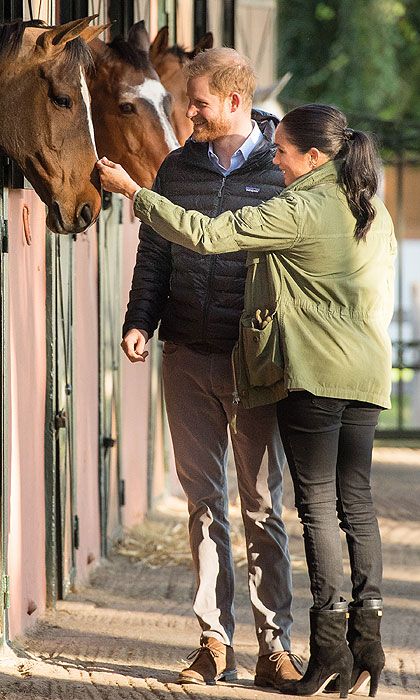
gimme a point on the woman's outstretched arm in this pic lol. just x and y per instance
(272, 225)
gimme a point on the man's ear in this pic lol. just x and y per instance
(235, 101)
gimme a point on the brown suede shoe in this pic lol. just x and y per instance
(212, 662)
(276, 668)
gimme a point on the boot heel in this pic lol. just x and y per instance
(364, 638)
(363, 679)
(344, 683)
(374, 681)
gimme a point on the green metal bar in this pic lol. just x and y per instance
(101, 453)
(50, 433)
(71, 403)
(151, 437)
(117, 367)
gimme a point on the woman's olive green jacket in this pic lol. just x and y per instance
(317, 302)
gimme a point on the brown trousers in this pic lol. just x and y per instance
(198, 393)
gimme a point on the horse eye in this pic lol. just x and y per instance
(127, 108)
(62, 101)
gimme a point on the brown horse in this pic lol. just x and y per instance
(169, 62)
(130, 107)
(45, 123)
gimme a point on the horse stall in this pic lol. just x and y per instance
(63, 369)
(78, 452)
(85, 449)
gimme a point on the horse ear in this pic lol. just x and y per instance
(206, 42)
(160, 43)
(138, 37)
(90, 33)
(56, 38)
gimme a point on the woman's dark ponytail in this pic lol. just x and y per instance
(325, 127)
(359, 177)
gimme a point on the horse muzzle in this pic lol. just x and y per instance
(84, 216)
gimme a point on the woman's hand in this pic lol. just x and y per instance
(115, 179)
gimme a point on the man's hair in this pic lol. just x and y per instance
(227, 72)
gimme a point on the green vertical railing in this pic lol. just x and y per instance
(50, 433)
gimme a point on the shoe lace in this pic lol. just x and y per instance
(193, 655)
(281, 656)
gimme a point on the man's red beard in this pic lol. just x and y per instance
(211, 130)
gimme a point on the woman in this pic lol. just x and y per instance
(318, 301)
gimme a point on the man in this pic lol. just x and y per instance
(198, 300)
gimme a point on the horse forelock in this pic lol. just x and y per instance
(76, 52)
(134, 57)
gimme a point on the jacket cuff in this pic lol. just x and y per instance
(143, 202)
(129, 325)
(134, 199)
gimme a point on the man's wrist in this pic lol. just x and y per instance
(131, 194)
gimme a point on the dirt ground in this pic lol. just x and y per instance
(124, 636)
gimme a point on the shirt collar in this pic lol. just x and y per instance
(248, 145)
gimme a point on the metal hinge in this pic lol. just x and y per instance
(122, 492)
(60, 420)
(5, 237)
(76, 532)
(6, 591)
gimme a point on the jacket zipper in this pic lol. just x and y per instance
(213, 259)
(235, 396)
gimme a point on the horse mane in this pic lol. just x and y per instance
(134, 57)
(11, 34)
(180, 52)
(76, 52)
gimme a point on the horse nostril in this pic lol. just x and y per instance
(56, 218)
(85, 216)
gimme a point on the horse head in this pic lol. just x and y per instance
(131, 109)
(45, 122)
(169, 62)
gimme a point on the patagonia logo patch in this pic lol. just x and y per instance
(248, 188)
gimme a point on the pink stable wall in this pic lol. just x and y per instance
(27, 379)
(86, 400)
(134, 396)
(27, 284)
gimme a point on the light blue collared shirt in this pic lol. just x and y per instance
(242, 154)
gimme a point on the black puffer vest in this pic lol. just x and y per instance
(199, 298)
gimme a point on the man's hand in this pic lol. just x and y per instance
(134, 343)
(115, 179)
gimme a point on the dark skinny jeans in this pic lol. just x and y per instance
(328, 444)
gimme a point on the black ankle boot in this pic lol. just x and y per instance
(330, 655)
(364, 640)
